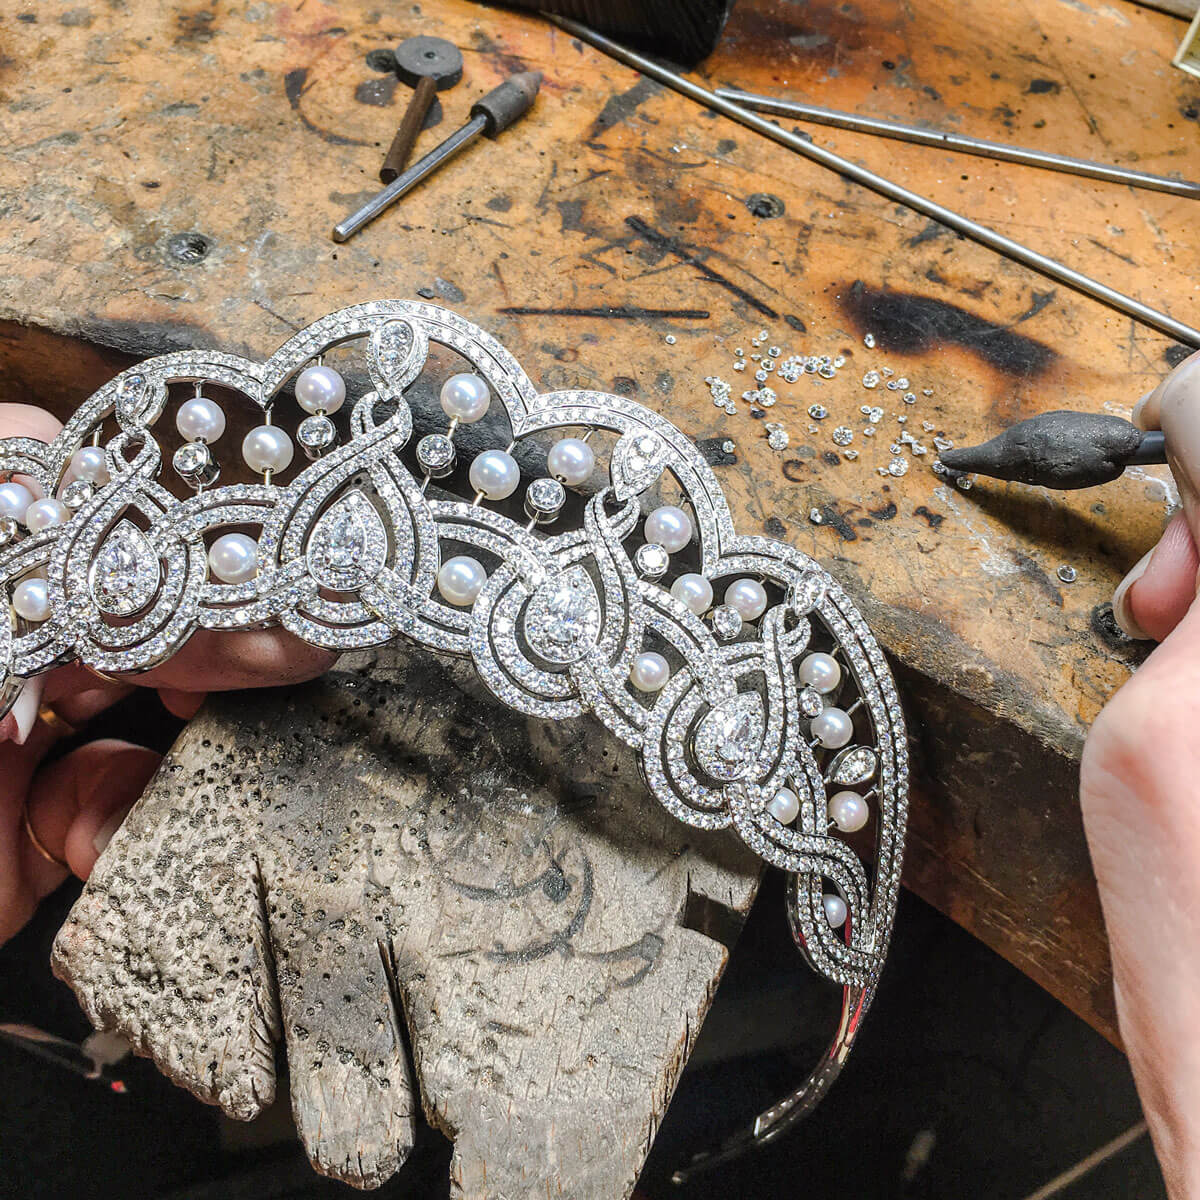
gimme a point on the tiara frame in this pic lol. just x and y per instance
(348, 557)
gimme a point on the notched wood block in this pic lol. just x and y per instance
(382, 858)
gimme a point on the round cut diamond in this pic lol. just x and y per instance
(76, 494)
(316, 434)
(727, 621)
(651, 560)
(435, 453)
(843, 435)
(562, 619)
(810, 702)
(8, 530)
(191, 459)
(544, 498)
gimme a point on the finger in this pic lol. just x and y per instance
(17, 724)
(77, 695)
(77, 802)
(221, 662)
(24, 420)
(1157, 593)
(184, 705)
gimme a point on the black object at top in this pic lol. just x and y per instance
(684, 31)
(504, 104)
(429, 57)
(1061, 450)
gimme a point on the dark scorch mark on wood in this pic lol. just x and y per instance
(623, 105)
(673, 246)
(612, 313)
(934, 518)
(293, 88)
(715, 453)
(907, 323)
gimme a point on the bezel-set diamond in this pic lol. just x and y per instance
(347, 551)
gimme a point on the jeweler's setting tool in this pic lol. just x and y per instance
(735, 667)
(429, 65)
(1036, 261)
(490, 116)
(1061, 450)
(857, 123)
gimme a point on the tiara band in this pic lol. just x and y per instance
(735, 667)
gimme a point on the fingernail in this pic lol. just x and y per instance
(1136, 415)
(104, 834)
(1120, 601)
(26, 707)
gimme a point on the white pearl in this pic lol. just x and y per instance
(495, 473)
(15, 499)
(41, 514)
(835, 910)
(233, 558)
(649, 672)
(31, 600)
(320, 390)
(267, 448)
(785, 807)
(748, 596)
(695, 591)
(460, 580)
(88, 463)
(670, 527)
(821, 671)
(571, 461)
(466, 397)
(200, 420)
(833, 728)
(848, 811)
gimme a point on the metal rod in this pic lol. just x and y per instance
(961, 143)
(409, 130)
(885, 187)
(460, 139)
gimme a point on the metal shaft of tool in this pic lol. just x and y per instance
(959, 142)
(885, 187)
(460, 139)
(415, 113)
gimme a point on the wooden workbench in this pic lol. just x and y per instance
(170, 174)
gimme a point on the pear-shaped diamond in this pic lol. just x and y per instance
(348, 544)
(729, 737)
(855, 764)
(562, 619)
(125, 572)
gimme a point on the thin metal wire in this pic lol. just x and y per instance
(960, 143)
(1085, 1166)
(1005, 246)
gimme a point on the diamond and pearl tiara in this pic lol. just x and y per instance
(734, 666)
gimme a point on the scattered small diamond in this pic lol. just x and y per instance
(814, 515)
(869, 341)
(909, 398)
(843, 435)
(818, 412)
(669, 339)
(871, 379)
(898, 467)
(728, 446)
(1067, 573)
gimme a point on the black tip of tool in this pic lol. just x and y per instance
(511, 100)
(1055, 450)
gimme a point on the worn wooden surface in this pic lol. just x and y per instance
(169, 174)
(554, 940)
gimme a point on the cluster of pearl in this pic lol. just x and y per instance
(19, 507)
(495, 475)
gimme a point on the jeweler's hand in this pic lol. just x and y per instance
(59, 817)
(1140, 791)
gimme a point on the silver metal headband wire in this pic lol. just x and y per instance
(772, 712)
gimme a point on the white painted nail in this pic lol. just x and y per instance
(104, 834)
(26, 707)
(1120, 600)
